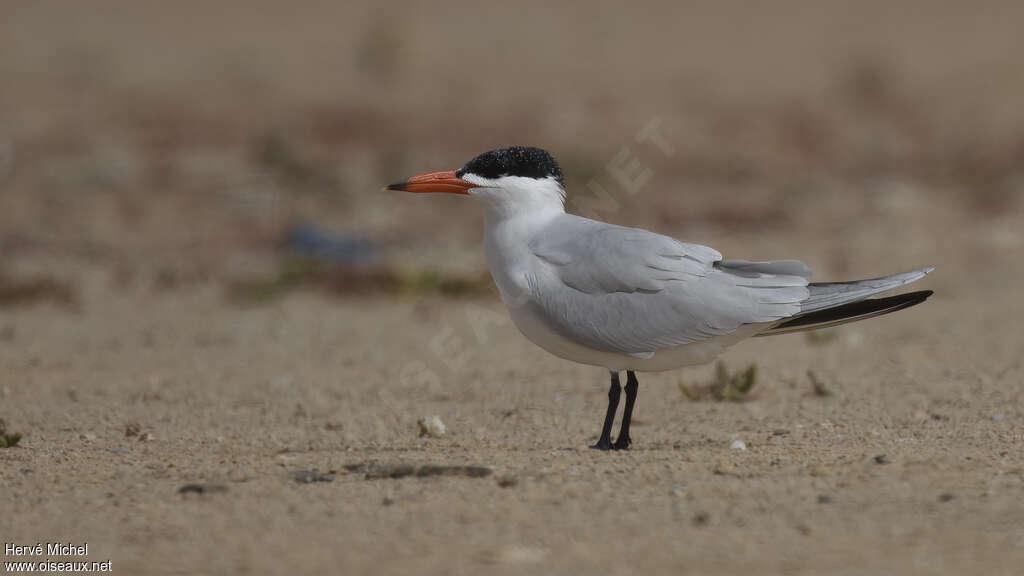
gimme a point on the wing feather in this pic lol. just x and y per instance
(634, 292)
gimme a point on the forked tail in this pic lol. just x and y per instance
(835, 303)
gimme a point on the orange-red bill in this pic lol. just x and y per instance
(437, 181)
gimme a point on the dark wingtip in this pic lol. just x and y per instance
(852, 312)
(400, 185)
(915, 298)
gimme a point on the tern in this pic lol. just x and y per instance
(626, 299)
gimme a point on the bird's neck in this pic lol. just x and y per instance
(508, 233)
(516, 210)
(525, 214)
(534, 206)
(512, 220)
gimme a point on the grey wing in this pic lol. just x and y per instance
(631, 291)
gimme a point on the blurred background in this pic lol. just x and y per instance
(212, 318)
(157, 146)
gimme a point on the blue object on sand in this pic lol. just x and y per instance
(314, 242)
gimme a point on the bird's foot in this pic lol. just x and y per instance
(622, 443)
(604, 444)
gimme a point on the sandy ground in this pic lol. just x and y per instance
(912, 465)
(153, 159)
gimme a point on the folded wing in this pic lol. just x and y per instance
(634, 292)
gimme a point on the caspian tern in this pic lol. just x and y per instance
(628, 299)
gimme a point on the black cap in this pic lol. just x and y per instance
(514, 161)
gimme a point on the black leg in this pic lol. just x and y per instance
(605, 441)
(623, 441)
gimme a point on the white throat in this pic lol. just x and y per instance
(516, 209)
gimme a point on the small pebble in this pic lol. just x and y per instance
(946, 497)
(738, 445)
(431, 426)
(881, 459)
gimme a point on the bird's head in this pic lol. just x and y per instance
(510, 180)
